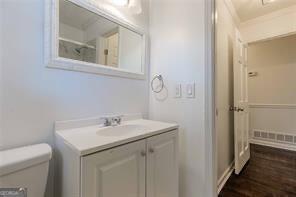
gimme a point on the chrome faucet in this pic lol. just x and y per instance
(112, 120)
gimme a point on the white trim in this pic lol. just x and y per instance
(282, 35)
(51, 32)
(269, 16)
(225, 176)
(273, 144)
(267, 20)
(272, 106)
(210, 133)
(233, 12)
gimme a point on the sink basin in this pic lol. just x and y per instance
(121, 130)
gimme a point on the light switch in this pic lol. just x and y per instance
(190, 90)
(178, 91)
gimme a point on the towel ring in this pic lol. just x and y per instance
(160, 79)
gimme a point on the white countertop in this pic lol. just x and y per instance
(85, 140)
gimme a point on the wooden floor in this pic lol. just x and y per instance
(270, 172)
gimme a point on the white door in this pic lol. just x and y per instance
(162, 165)
(112, 56)
(118, 172)
(241, 107)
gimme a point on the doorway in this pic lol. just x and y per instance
(255, 100)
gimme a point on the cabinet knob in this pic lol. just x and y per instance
(151, 150)
(143, 153)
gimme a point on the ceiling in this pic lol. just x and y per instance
(75, 16)
(79, 17)
(250, 9)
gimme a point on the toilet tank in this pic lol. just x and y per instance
(26, 167)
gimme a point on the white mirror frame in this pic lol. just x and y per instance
(51, 42)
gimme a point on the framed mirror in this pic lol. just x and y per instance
(81, 37)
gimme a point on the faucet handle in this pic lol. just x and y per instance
(112, 120)
(107, 121)
(117, 119)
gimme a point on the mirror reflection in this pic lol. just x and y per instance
(88, 37)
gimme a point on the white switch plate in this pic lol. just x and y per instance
(190, 90)
(178, 91)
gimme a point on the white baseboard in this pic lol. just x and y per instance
(225, 176)
(273, 144)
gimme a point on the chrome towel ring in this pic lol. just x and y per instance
(160, 86)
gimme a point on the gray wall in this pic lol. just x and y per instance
(225, 31)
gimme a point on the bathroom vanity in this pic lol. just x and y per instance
(138, 158)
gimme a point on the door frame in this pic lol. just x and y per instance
(210, 128)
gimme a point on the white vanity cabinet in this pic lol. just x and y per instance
(116, 172)
(145, 168)
(162, 165)
(138, 158)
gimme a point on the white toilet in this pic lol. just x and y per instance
(26, 167)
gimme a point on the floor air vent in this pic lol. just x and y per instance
(274, 136)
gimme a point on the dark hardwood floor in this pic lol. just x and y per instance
(270, 172)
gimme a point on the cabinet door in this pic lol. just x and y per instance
(118, 172)
(162, 165)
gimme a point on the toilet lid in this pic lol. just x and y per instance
(20, 158)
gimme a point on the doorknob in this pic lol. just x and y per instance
(231, 108)
(236, 109)
(240, 109)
